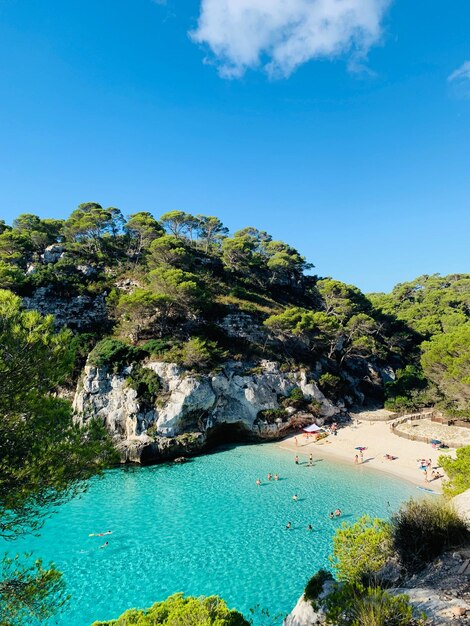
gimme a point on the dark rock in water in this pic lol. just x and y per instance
(146, 450)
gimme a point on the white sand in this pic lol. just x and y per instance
(379, 440)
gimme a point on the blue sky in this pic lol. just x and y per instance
(351, 143)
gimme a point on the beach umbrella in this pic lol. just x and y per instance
(313, 428)
(361, 448)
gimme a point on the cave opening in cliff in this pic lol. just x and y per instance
(228, 433)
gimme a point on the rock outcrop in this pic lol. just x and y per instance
(305, 613)
(462, 505)
(200, 404)
(78, 312)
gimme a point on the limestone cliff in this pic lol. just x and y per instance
(200, 404)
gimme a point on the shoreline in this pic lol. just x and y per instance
(378, 440)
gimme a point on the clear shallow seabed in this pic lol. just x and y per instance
(205, 528)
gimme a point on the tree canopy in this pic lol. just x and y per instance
(186, 274)
(44, 458)
(177, 609)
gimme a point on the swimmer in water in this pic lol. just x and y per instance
(296, 460)
(276, 477)
(310, 527)
(288, 525)
(295, 497)
(332, 515)
(270, 476)
(337, 512)
(105, 545)
(258, 482)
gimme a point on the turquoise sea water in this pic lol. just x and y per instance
(206, 528)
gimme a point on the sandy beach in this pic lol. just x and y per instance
(379, 441)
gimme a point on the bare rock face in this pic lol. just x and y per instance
(305, 614)
(188, 403)
(106, 396)
(80, 312)
(243, 326)
(438, 609)
(462, 505)
(52, 253)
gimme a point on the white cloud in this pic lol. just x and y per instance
(461, 73)
(280, 35)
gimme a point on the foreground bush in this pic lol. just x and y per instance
(180, 611)
(422, 530)
(354, 605)
(361, 549)
(315, 585)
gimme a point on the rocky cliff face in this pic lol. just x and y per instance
(79, 312)
(190, 408)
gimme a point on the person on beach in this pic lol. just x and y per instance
(276, 477)
(258, 482)
(310, 459)
(288, 525)
(356, 459)
(296, 460)
(295, 497)
(296, 442)
(361, 456)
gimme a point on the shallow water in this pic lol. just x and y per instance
(206, 528)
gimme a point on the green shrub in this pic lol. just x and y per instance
(295, 399)
(422, 530)
(157, 346)
(376, 607)
(11, 276)
(332, 386)
(146, 382)
(361, 549)
(271, 415)
(399, 403)
(458, 471)
(355, 605)
(114, 353)
(315, 585)
(315, 407)
(178, 611)
(196, 353)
